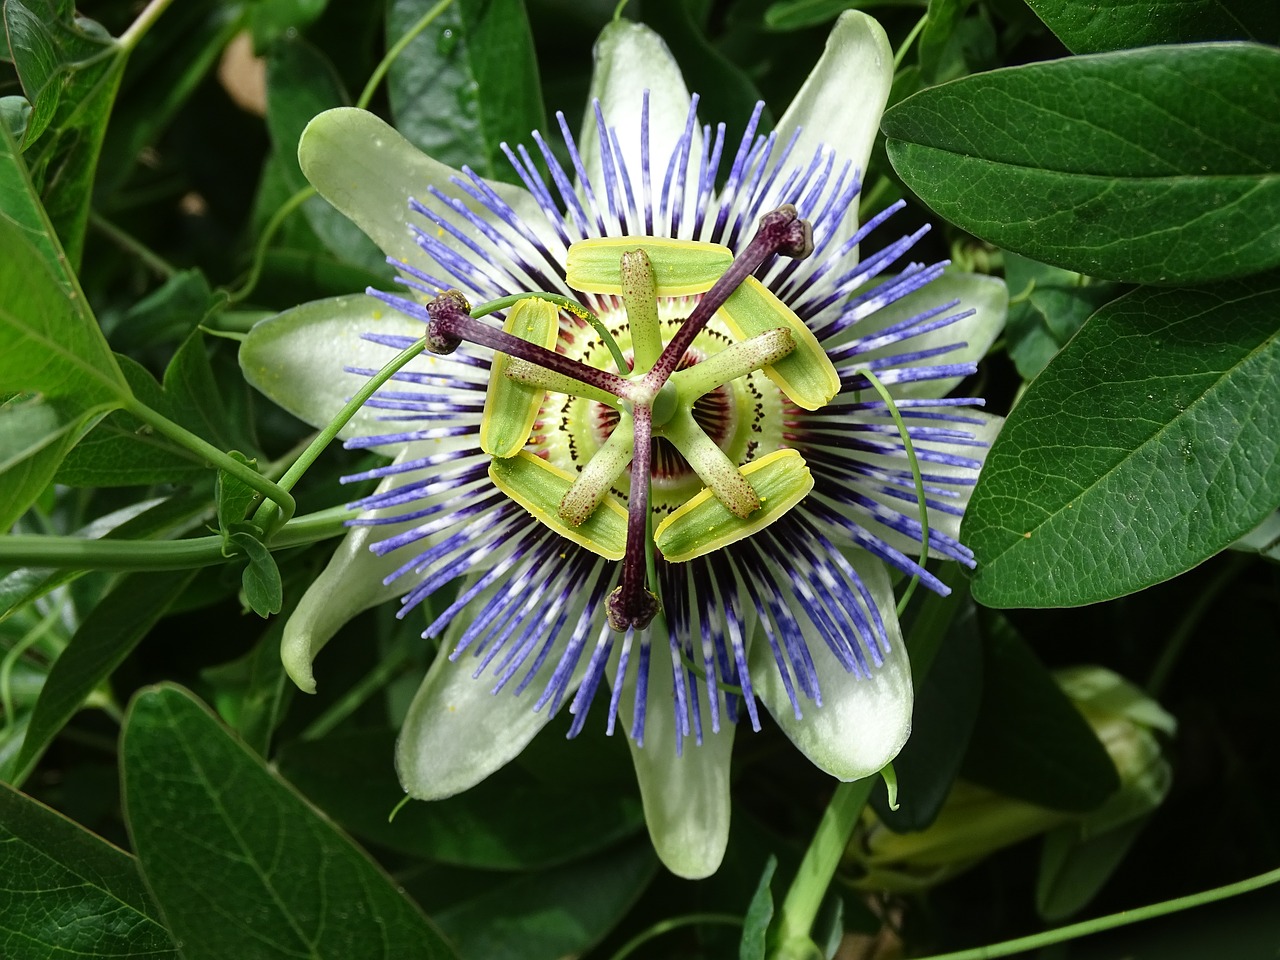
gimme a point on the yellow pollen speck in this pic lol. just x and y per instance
(1027, 535)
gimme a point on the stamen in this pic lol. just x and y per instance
(734, 361)
(451, 323)
(712, 465)
(633, 605)
(599, 474)
(640, 297)
(782, 232)
(522, 371)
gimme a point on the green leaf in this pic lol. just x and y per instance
(1030, 742)
(301, 83)
(100, 644)
(171, 312)
(554, 914)
(1153, 166)
(1151, 442)
(234, 498)
(466, 83)
(510, 821)
(940, 23)
(759, 915)
(240, 865)
(1118, 26)
(122, 451)
(1049, 305)
(50, 346)
(68, 895)
(49, 339)
(70, 69)
(1073, 868)
(192, 394)
(35, 436)
(263, 591)
(269, 20)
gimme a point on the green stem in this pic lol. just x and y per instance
(1111, 921)
(674, 923)
(804, 898)
(79, 553)
(218, 458)
(12, 657)
(881, 389)
(901, 52)
(260, 250)
(265, 515)
(146, 19)
(384, 65)
(152, 260)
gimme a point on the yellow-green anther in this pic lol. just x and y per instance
(806, 375)
(539, 487)
(599, 474)
(781, 480)
(511, 407)
(640, 297)
(712, 465)
(680, 267)
(522, 371)
(734, 361)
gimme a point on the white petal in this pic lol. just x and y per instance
(841, 101)
(457, 731)
(686, 798)
(297, 359)
(368, 171)
(350, 583)
(863, 723)
(987, 296)
(630, 59)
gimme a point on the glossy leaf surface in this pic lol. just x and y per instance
(1146, 166)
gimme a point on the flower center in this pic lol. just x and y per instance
(742, 417)
(679, 412)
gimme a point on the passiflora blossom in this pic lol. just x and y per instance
(659, 472)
